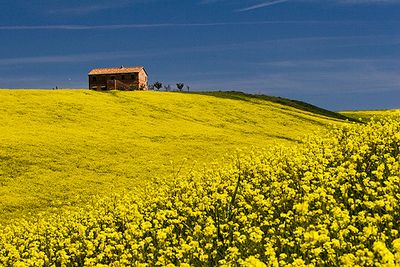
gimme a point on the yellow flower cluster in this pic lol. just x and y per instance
(334, 201)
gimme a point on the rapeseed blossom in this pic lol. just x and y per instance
(334, 201)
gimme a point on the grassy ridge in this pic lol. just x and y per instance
(300, 105)
(59, 148)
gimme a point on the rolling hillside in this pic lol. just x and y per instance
(366, 115)
(59, 148)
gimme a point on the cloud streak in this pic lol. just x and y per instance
(84, 9)
(262, 5)
(368, 1)
(77, 27)
(348, 2)
(312, 77)
(284, 43)
(156, 25)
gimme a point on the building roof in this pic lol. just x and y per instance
(116, 70)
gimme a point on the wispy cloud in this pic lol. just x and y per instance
(74, 58)
(352, 2)
(87, 27)
(78, 8)
(77, 27)
(156, 25)
(83, 10)
(211, 1)
(368, 1)
(262, 5)
(312, 77)
(269, 45)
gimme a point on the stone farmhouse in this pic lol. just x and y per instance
(122, 78)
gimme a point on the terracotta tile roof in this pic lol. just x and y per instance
(115, 70)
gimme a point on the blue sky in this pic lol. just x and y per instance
(338, 54)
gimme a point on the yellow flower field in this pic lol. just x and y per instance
(366, 115)
(332, 202)
(59, 148)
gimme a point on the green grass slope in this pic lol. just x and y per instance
(284, 101)
(59, 148)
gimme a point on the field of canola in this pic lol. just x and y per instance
(366, 115)
(60, 148)
(332, 202)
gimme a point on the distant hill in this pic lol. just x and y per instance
(59, 148)
(280, 100)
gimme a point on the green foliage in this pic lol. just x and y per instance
(157, 85)
(332, 202)
(180, 86)
(133, 87)
(280, 100)
(167, 88)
